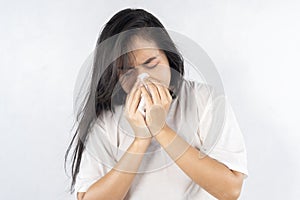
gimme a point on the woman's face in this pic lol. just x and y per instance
(147, 58)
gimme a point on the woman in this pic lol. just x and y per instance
(101, 170)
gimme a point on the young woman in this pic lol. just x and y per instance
(129, 150)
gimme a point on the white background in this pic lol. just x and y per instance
(254, 45)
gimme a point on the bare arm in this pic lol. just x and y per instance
(213, 176)
(216, 178)
(116, 183)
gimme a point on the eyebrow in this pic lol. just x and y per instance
(149, 60)
(146, 62)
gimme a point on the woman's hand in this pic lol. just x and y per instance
(157, 105)
(133, 115)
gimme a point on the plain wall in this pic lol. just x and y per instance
(254, 45)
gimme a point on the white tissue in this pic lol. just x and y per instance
(142, 104)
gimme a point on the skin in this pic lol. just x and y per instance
(157, 68)
(216, 178)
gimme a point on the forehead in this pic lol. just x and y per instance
(141, 49)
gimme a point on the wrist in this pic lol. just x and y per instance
(142, 141)
(162, 131)
(139, 145)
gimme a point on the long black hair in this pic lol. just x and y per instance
(104, 79)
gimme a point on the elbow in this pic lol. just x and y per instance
(235, 194)
(234, 191)
(230, 195)
(236, 187)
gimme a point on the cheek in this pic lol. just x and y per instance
(163, 74)
(127, 82)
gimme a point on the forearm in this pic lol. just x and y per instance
(116, 183)
(213, 176)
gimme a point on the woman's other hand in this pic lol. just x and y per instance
(157, 104)
(134, 116)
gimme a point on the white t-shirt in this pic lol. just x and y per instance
(162, 177)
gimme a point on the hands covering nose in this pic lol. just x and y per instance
(157, 100)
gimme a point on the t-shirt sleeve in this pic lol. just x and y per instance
(229, 147)
(90, 171)
(97, 158)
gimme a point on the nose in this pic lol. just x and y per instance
(141, 77)
(144, 73)
(141, 70)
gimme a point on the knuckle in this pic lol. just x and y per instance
(166, 101)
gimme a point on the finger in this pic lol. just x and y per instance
(129, 98)
(168, 94)
(162, 92)
(154, 92)
(135, 101)
(131, 93)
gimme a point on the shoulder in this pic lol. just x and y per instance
(203, 92)
(98, 125)
(103, 119)
(199, 87)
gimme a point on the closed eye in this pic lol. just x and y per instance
(150, 67)
(151, 63)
